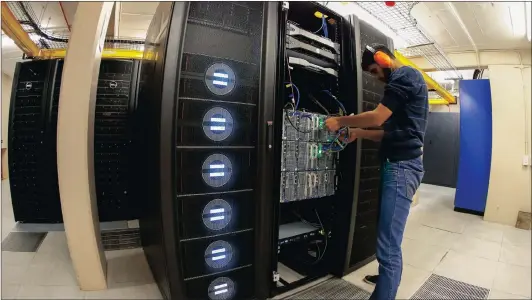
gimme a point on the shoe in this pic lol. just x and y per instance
(371, 279)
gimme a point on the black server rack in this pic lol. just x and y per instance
(315, 61)
(34, 188)
(33, 130)
(114, 152)
(366, 210)
(207, 85)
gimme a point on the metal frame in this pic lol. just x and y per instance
(431, 83)
(106, 53)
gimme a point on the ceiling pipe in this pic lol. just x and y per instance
(464, 28)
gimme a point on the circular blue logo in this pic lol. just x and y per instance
(220, 79)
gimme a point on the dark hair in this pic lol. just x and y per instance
(367, 56)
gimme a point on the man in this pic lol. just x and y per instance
(402, 114)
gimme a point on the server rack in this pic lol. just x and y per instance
(363, 237)
(34, 188)
(33, 130)
(336, 207)
(207, 88)
(114, 150)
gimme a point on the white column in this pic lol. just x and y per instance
(75, 143)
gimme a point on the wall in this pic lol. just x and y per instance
(6, 97)
(510, 182)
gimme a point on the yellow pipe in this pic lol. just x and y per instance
(432, 85)
(106, 53)
(438, 102)
(13, 30)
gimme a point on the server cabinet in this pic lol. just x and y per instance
(115, 157)
(34, 188)
(441, 151)
(33, 130)
(204, 103)
(367, 187)
(334, 205)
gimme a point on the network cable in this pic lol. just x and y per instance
(342, 108)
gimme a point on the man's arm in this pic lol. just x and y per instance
(368, 134)
(374, 118)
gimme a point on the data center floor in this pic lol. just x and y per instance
(459, 246)
(437, 241)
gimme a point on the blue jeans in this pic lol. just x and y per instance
(400, 181)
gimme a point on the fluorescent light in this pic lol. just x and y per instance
(222, 250)
(222, 75)
(518, 18)
(217, 211)
(217, 218)
(222, 120)
(528, 8)
(217, 128)
(218, 82)
(217, 166)
(220, 286)
(220, 292)
(217, 174)
(218, 257)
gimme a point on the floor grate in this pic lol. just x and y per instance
(439, 287)
(121, 239)
(23, 241)
(332, 289)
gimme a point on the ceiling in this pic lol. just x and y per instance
(489, 25)
(486, 25)
(135, 18)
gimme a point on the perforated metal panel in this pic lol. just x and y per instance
(369, 180)
(113, 165)
(34, 189)
(332, 289)
(439, 287)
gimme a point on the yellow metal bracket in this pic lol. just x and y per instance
(13, 30)
(447, 98)
(106, 53)
(438, 102)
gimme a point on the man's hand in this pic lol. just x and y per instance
(333, 124)
(354, 133)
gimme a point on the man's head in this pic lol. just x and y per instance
(378, 60)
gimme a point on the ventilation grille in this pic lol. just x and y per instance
(121, 239)
(332, 289)
(439, 287)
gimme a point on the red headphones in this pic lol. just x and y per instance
(382, 59)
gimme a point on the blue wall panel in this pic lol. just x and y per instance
(475, 146)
